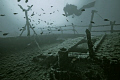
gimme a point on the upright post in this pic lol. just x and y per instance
(28, 25)
(90, 45)
(62, 58)
(90, 25)
(61, 30)
(112, 25)
(73, 28)
(50, 29)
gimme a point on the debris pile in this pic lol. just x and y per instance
(109, 56)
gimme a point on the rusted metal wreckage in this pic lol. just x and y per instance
(63, 69)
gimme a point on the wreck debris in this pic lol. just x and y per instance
(62, 57)
(97, 43)
(28, 25)
(112, 24)
(90, 45)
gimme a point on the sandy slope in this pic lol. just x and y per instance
(19, 65)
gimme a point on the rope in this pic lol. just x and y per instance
(37, 43)
(99, 15)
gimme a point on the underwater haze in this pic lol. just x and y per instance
(59, 40)
(46, 13)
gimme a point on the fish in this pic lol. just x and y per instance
(72, 24)
(32, 24)
(53, 11)
(58, 10)
(45, 21)
(63, 14)
(65, 26)
(26, 1)
(32, 14)
(21, 29)
(106, 20)
(51, 6)
(33, 27)
(51, 23)
(50, 13)
(41, 33)
(92, 22)
(24, 17)
(58, 29)
(5, 34)
(38, 21)
(2, 15)
(73, 16)
(15, 13)
(81, 21)
(18, 0)
(67, 20)
(48, 23)
(83, 10)
(0, 31)
(43, 13)
(42, 9)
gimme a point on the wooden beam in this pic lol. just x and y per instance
(107, 31)
(90, 45)
(97, 43)
(112, 25)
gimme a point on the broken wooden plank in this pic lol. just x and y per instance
(90, 45)
(66, 44)
(97, 43)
